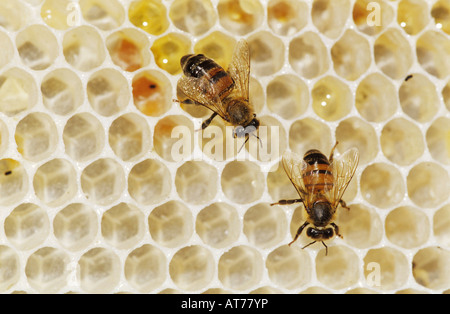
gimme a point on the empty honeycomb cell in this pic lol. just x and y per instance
(419, 98)
(103, 181)
(129, 136)
(308, 55)
(218, 225)
(287, 17)
(99, 270)
(272, 140)
(55, 182)
(173, 138)
(169, 49)
(14, 15)
(7, 52)
(351, 55)
(171, 224)
(59, 14)
(278, 184)
(9, 268)
(331, 98)
(431, 267)
(240, 268)
(149, 182)
(330, 16)
(266, 290)
(27, 226)
(195, 17)
(376, 98)
(438, 140)
(108, 92)
(441, 14)
(242, 182)
(62, 91)
(428, 184)
(413, 15)
(287, 96)
(382, 185)
(104, 14)
(145, 268)
(386, 268)
(446, 95)
(149, 15)
(393, 54)
(402, 141)
(433, 53)
(192, 268)
(13, 181)
(123, 226)
(83, 137)
(36, 136)
(372, 17)
(267, 53)
(216, 291)
(18, 91)
(315, 290)
(339, 269)
(151, 93)
(361, 226)
(196, 182)
(441, 225)
(240, 17)
(75, 226)
(309, 134)
(407, 227)
(355, 132)
(83, 48)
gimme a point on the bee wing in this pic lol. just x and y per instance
(239, 69)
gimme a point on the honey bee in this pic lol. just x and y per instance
(320, 183)
(225, 93)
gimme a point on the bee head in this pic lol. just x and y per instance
(251, 127)
(320, 234)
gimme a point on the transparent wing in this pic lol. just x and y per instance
(239, 70)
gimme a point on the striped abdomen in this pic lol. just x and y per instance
(317, 176)
(201, 67)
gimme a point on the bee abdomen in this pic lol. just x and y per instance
(317, 176)
(314, 156)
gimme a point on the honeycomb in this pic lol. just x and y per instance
(93, 200)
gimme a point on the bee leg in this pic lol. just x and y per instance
(326, 248)
(336, 230)
(206, 123)
(287, 202)
(343, 204)
(332, 152)
(246, 140)
(299, 231)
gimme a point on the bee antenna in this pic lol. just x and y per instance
(246, 140)
(260, 142)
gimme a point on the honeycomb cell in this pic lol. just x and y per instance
(266, 290)
(428, 184)
(145, 268)
(330, 16)
(441, 14)
(218, 225)
(339, 269)
(402, 141)
(171, 224)
(287, 96)
(376, 98)
(351, 55)
(195, 17)
(27, 226)
(108, 92)
(287, 17)
(129, 136)
(59, 14)
(149, 15)
(267, 53)
(55, 182)
(431, 268)
(309, 134)
(62, 91)
(13, 181)
(104, 14)
(4, 137)
(75, 226)
(382, 185)
(149, 182)
(99, 270)
(47, 270)
(372, 16)
(123, 226)
(83, 137)
(393, 54)
(192, 268)
(7, 52)
(240, 268)
(9, 268)
(278, 184)
(308, 55)
(407, 227)
(217, 46)
(272, 140)
(433, 53)
(315, 290)
(103, 181)
(83, 48)
(169, 49)
(413, 15)
(37, 47)
(14, 15)
(242, 182)
(441, 225)
(196, 182)
(151, 93)
(419, 98)
(240, 17)
(216, 291)
(36, 136)
(392, 267)
(438, 140)
(446, 95)
(18, 92)
(331, 98)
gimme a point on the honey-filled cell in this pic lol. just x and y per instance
(286, 17)
(149, 15)
(169, 49)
